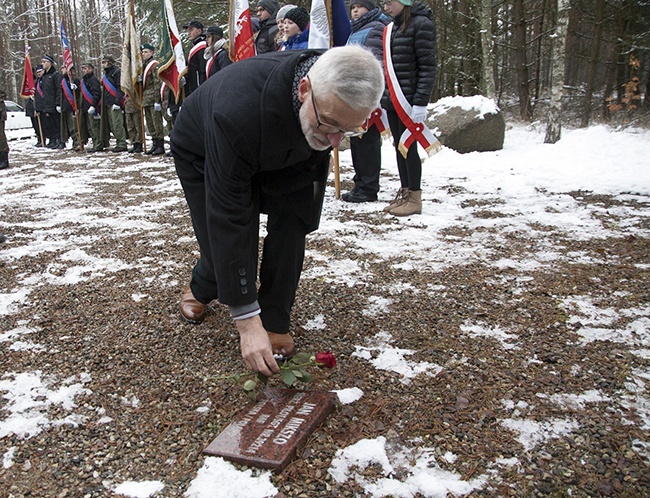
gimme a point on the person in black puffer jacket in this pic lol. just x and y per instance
(413, 51)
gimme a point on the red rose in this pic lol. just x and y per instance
(325, 359)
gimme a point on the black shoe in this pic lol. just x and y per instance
(4, 160)
(136, 149)
(96, 149)
(356, 196)
(118, 149)
(158, 148)
(2, 237)
(169, 154)
(60, 146)
(38, 144)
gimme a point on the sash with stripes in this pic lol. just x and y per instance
(67, 91)
(208, 66)
(199, 46)
(414, 131)
(39, 89)
(378, 118)
(109, 86)
(88, 97)
(147, 72)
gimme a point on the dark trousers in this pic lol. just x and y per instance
(52, 125)
(409, 167)
(283, 250)
(366, 160)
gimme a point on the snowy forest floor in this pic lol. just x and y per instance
(504, 334)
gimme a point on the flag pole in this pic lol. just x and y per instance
(40, 128)
(142, 123)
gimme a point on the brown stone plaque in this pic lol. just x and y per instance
(268, 432)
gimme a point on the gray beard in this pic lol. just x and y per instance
(315, 140)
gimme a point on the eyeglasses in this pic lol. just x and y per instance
(333, 129)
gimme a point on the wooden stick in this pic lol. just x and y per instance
(337, 174)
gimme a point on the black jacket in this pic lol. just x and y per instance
(51, 86)
(219, 61)
(113, 74)
(65, 103)
(195, 67)
(92, 90)
(414, 57)
(248, 141)
(265, 40)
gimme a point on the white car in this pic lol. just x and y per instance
(16, 117)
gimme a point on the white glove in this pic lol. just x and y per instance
(139, 80)
(169, 112)
(58, 109)
(419, 113)
(91, 110)
(183, 81)
(116, 107)
(157, 107)
(73, 86)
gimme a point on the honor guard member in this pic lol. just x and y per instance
(112, 104)
(195, 60)
(151, 100)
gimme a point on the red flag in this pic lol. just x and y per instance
(242, 44)
(172, 65)
(27, 87)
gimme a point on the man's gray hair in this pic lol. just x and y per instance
(352, 73)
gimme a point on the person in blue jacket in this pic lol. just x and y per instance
(295, 25)
(368, 23)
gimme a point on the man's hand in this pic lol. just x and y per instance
(256, 347)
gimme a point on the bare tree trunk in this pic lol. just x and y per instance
(521, 60)
(487, 47)
(554, 125)
(593, 62)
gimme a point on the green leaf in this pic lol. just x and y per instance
(301, 358)
(236, 377)
(250, 385)
(288, 377)
(262, 378)
(306, 377)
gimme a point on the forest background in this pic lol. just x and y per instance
(589, 57)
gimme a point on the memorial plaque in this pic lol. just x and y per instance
(267, 433)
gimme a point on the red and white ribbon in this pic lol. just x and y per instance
(414, 131)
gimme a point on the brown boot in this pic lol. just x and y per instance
(192, 311)
(412, 205)
(282, 345)
(399, 199)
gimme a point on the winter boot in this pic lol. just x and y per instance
(4, 160)
(136, 149)
(158, 147)
(412, 204)
(400, 197)
(152, 148)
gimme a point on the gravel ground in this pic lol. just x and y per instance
(117, 332)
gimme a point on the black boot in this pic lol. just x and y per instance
(158, 147)
(136, 149)
(4, 160)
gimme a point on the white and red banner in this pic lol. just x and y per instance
(172, 65)
(329, 24)
(242, 42)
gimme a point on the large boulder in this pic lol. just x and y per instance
(468, 124)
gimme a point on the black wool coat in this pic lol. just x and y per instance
(94, 88)
(113, 73)
(240, 127)
(51, 86)
(196, 68)
(414, 57)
